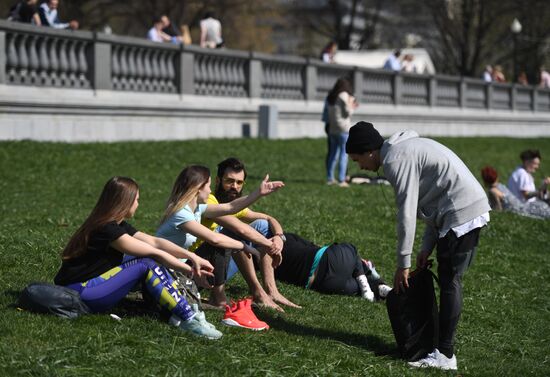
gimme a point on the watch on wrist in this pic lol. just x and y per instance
(282, 236)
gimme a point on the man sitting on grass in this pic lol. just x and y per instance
(262, 230)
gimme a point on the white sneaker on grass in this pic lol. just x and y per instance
(383, 290)
(202, 317)
(196, 326)
(436, 360)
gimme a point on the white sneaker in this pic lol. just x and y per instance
(201, 316)
(436, 360)
(366, 291)
(384, 290)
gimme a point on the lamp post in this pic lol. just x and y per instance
(515, 27)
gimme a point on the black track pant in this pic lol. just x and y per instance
(454, 256)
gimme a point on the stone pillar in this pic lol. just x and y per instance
(397, 88)
(513, 97)
(185, 74)
(432, 92)
(358, 84)
(101, 65)
(535, 99)
(254, 79)
(462, 95)
(488, 95)
(267, 119)
(310, 81)
(2, 57)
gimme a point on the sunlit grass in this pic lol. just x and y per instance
(47, 190)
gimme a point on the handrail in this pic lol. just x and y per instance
(41, 56)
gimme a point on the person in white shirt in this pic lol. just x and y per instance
(211, 32)
(522, 184)
(488, 74)
(49, 17)
(393, 63)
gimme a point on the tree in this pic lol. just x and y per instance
(473, 33)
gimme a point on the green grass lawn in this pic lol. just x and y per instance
(47, 189)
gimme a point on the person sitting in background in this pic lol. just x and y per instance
(92, 261)
(168, 28)
(49, 17)
(522, 184)
(392, 62)
(522, 78)
(488, 74)
(408, 64)
(25, 11)
(498, 75)
(501, 199)
(327, 55)
(156, 33)
(333, 269)
(185, 35)
(544, 78)
(211, 32)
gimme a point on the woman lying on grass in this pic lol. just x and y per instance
(502, 199)
(181, 222)
(92, 260)
(335, 269)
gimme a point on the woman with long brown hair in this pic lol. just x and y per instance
(181, 222)
(92, 261)
(341, 104)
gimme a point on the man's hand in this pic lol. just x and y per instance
(267, 187)
(277, 245)
(422, 259)
(401, 280)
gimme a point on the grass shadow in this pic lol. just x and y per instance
(371, 343)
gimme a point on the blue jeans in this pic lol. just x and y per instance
(261, 226)
(337, 150)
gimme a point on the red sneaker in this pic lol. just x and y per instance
(241, 315)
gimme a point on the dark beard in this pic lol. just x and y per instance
(226, 196)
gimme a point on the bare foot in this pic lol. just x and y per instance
(280, 299)
(265, 301)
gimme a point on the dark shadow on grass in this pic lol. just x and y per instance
(131, 306)
(13, 296)
(371, 343)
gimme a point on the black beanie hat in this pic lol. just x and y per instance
(363, 137)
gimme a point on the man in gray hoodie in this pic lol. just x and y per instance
(431, 183)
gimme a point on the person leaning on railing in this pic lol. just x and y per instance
(25, 11)
(49, 16)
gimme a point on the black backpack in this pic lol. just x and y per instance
(414, 316)
(52, 299)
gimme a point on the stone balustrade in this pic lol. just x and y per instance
(38, 56)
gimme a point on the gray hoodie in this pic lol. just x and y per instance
(431, 183)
